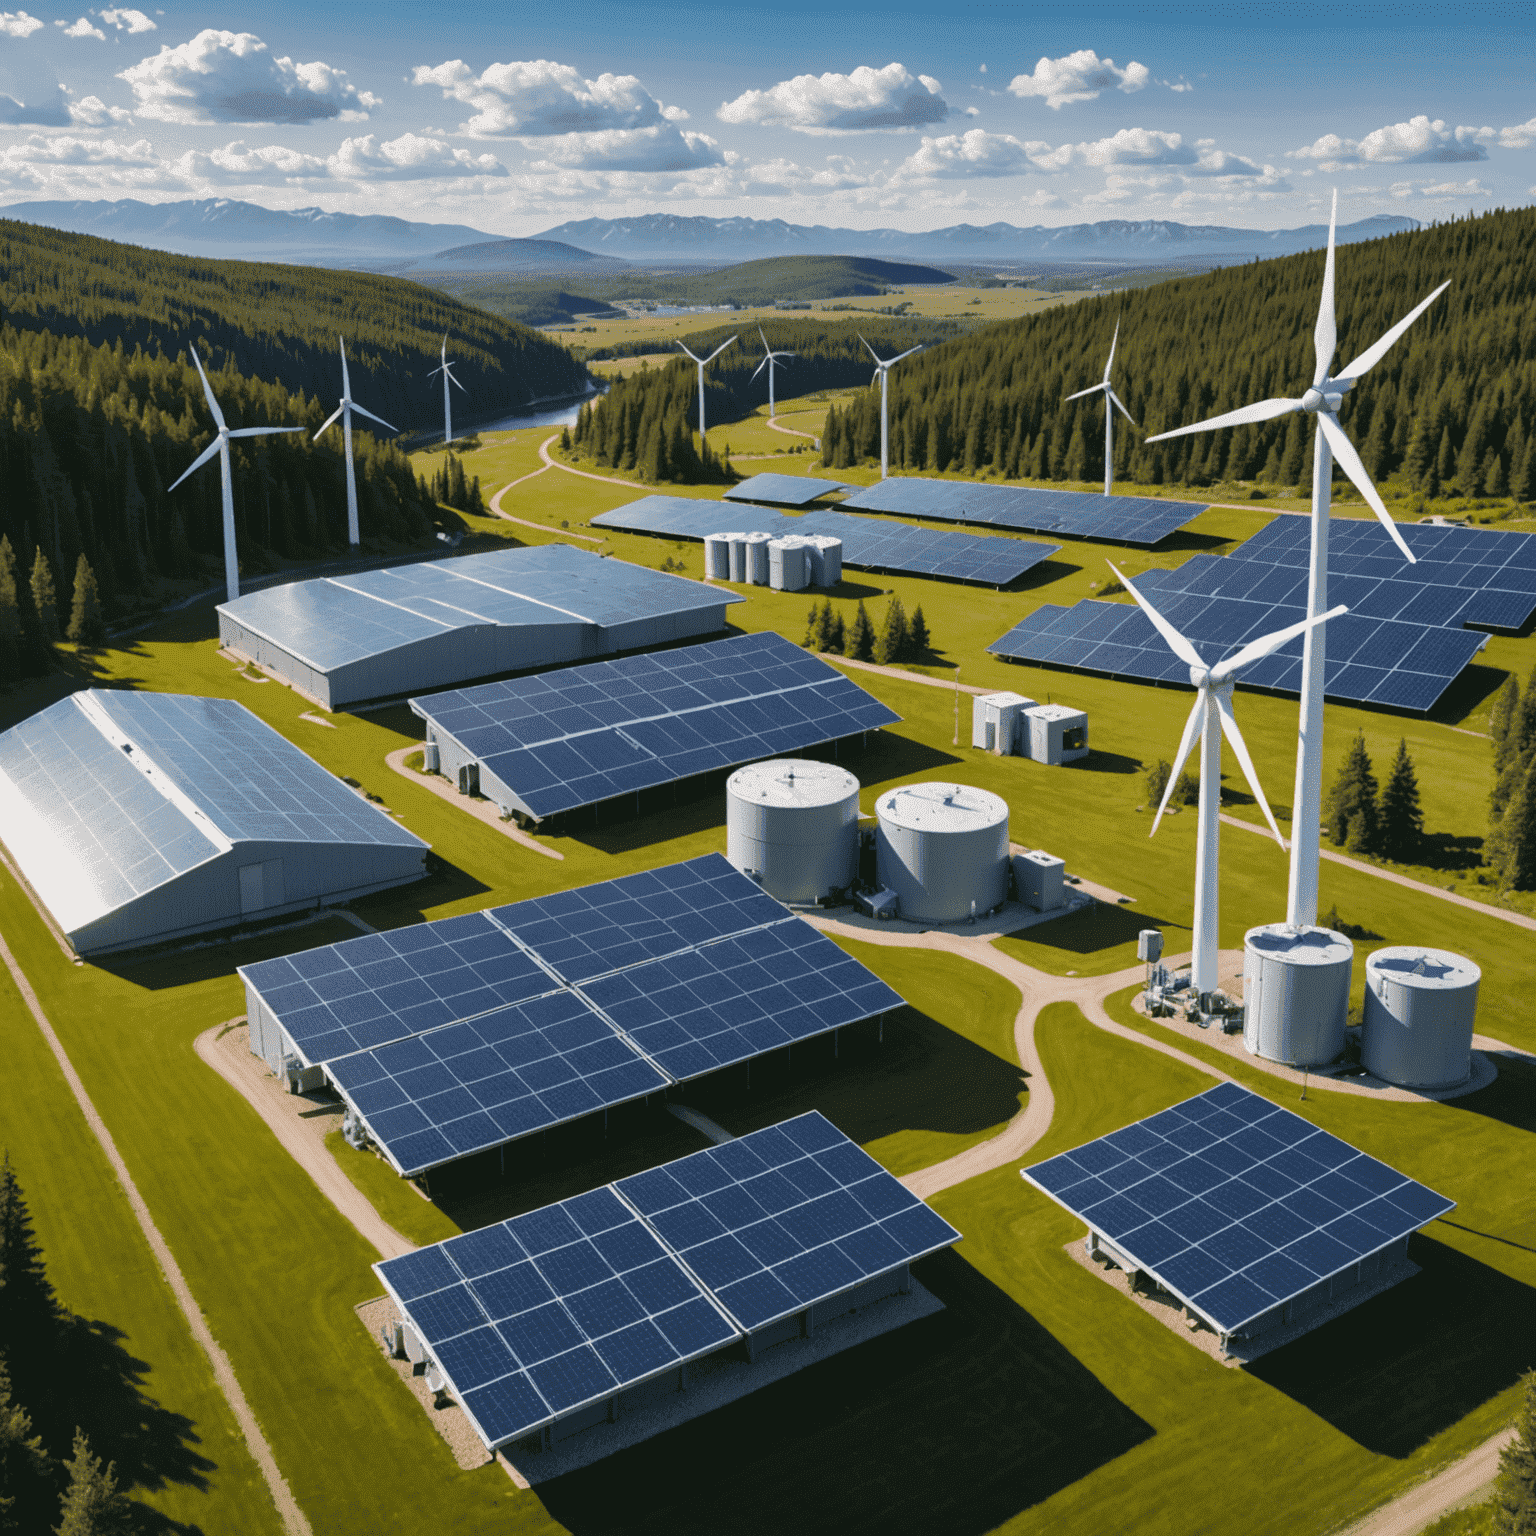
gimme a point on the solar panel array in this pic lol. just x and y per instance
(869, 544)
(550, 1312)
(1235, 1205)
(783, 490)
(582, 734)
(454, 1036)
(1139, 520)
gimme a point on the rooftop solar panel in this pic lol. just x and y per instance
(1235, 1205)
(580, 735)
(783, 490)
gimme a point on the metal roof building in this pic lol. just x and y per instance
(139, 817)
(378, 634)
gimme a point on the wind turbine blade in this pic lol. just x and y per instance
(346, 382)
(1093, 389)
(197, 463)
(761, 366)
(1191, 730)
(449, 371)
(1245, 415)
(331, 421)
(213, 405)
(1240, 751)
(907, 353)
(1349, 462)
(690, 354)
(766, 347)
(1325, 336)
(1176, 642)
(874, 378)
(1118, 401)
(263, 431)
(445, 349)
(434, 373)
(371, 417)
(1111, 363)
(718, 350)
(1267, 645)
(870, 350)
(1373, 355)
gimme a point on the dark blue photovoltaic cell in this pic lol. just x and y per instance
(583, 734)
(782, 490)
(1236, 1205)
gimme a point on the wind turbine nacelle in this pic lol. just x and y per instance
(1315, 400)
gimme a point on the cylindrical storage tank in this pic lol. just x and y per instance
(943, 848)
(717, 557)
(794, 826)
(1419, 1009)
(827, 560)
(736, 545)
(1296, 993)
(787, 565)
(757, 559)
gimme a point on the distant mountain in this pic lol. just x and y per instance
(509, 256)
(669, 236)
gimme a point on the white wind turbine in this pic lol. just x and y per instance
(883, 372)
(1210, 719)
(1111, 399)
(703, 363)
(447, 372)
(1322, 400)
(220, 446)
(344, 411)
(769, 364)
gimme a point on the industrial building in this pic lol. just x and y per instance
(1013, 725)
(143, 817)
(344, 640)
(539, 1326)
(943, 850)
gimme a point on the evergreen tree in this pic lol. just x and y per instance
(1353, 795)
(1157, 780)
(10, 618)
(44, 598)
(29, 1311)
(91, 1506)
(26, 1473)
(86, 626)
(860, 641)
(1401, 820)
(818, 629)
(1501, 718)
(1187, 790)
(1522, 463)
(837, 633)
(1514, 1493)
(918, 641)
(565, 438)
(891, 644)
(1511, 846)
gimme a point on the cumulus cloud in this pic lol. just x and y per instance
(866, 100)
(645, 150)
(1418, 142)
(1440, 191)
(238, 164)
(408, 158)
(231, 77)
(128, 21)
(70, 151)
(960, 156)
(18, 24)
(83, 28)
(50, 112)
(785, 178)
(1152, 147)
(92, 112)
(1521, 136)
(1078, 76)
(540, 99)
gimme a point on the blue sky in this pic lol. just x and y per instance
(904, 115)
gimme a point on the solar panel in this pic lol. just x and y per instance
(867, 543)
(538, 1317)
(1138, 520)
(783, 490)
(1235, 1205)
(573, 737)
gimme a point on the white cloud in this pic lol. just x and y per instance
(1078, 76)
(231, 77)
(865, 100)
(786, 178)
(1417, 142)
(83, 28)
(960, 156)
(18, 24)
(1441, 191)
(645, 150)
(1153, 147)
(128, 21)
(239, 165)
(92, 112)
(408, 158)
(71, 151)
(1521, 136)
(52, 112)
(539, 99)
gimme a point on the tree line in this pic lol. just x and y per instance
(647, 431)
(898, 637)
(1510, 850)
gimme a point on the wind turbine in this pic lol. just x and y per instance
(1111, 399)
(344, 411)
(883, 373)
(1322, 400)
(220, 446)
(1211, 718)
(703, 363)
(447, 372)
(768, 363)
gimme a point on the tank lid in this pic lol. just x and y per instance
(1299, 945)
(1055, 712)
(792, 782)
(1003, 700)
(942, 808)
(1412, 965)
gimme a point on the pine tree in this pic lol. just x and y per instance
(91, 1506)
(860, 641)
(891, 644)
(1157, 780)
(44, 598)
(1511, 846)
(918, 641)
(837, 634)
(1501, 718)
(1401, 819)
(1187, 790)
(86, 626)
(1522, 463)
(26, 1471)
(29, 1311)
(10, 617)
(1353, 795)
(1514, 1493)
(818, 626)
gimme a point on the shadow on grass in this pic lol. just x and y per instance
(954, 1423)
(1468, 692)
(1415, 1360)
(1091, 929)
(1184, 541)
(1099, 761)
(1510, 1098)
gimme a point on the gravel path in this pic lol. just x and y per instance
(533, 474)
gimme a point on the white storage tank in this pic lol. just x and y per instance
(1040, 879)
(1296, 993)
(1419, 1010)
(788, 568)
(1052, 733)
(943, 848)
(826, 556)
(996, 720)
(717, 557)
(757, 559)
(736, 546)
(793, 825)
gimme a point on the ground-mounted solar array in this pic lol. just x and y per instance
(867, 542)
(452, 1037)
(1235, 1205)
(583, 734)
(550, 1312)
(1138, 520)
(783, 490)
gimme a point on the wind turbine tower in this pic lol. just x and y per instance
(1322, 401)
(344, 411)
(883, 373)
(220, 446)
(1111, 400)
(768, 362)
(703, 363)
(1210, 719)
(446, 369)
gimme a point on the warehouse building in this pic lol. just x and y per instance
(343, 640)
(141, 817)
